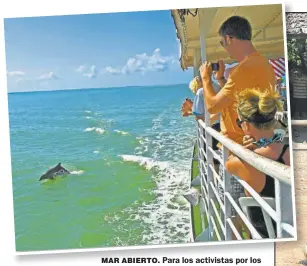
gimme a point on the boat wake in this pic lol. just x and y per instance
(123, 133)
(167, 217)
(96, 129)
(146, 162)
(165, 154)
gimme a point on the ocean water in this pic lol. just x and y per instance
(129, 152)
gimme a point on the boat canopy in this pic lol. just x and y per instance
(204, 23)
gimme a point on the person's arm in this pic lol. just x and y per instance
(255, 178)
(199, 118)
(214, 117)
(215, 103)
(235, 166)
(222, 82)
(186, 108)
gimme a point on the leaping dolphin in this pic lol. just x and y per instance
(54, 172)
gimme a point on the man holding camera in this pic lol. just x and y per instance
(253, 71)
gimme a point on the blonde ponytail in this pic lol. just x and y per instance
(252, 101)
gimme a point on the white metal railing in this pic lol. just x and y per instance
(213, 208)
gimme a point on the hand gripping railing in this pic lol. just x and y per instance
(213, 208)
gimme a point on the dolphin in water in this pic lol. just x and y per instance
(54, 172)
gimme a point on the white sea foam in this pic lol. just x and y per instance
(89, 129)
(167, 216)
(166, 219)
(88, 117)
(77, 172)
(45, 181)
(99, 130)
(123, 133)
(96, 129)
(87, 111)
(95, 151)
(146, 162)
(144, 145)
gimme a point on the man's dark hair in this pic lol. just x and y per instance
(237, 27)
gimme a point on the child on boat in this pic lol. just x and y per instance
(197, 107)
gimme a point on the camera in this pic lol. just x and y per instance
(215, 66)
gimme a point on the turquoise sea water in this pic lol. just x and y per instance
(129, 152)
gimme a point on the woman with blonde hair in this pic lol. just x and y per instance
(256, 116)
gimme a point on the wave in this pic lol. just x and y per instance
(88, 117)
(123, 133)
(141, 140)
(87, 111)
(96, 129)
(167, 217)
(143, 145)
(166, 155)
(146, 162)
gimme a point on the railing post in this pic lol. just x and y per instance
(196, 61)
(201, 168)
(284, 209)
(199, 145)
(227, 188)
(203, 31)
(278, 208)
(210, 180)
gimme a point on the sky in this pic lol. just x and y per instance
(92, 51)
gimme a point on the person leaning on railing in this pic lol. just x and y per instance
(197, 106)
(256, 116)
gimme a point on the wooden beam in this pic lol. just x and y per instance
(196, 44)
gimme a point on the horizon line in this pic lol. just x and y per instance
(115, 87)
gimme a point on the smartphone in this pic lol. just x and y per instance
(215, 66)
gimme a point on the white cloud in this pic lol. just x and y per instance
(143, 63)
(92, 73)
(112, 70)
(48, 76)
(15, 74)
(80, 68)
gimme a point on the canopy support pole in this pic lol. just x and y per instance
(196, 61)
(205, 17)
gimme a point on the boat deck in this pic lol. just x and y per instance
(196, 217)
